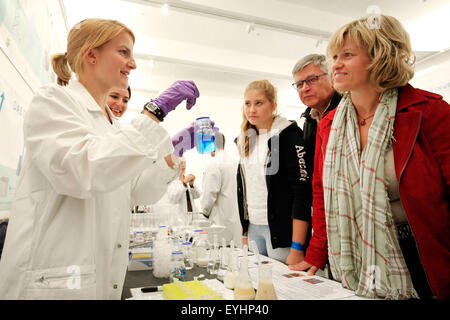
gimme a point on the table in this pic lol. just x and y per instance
(289, 285)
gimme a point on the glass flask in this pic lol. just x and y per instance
(243, 286)
(266, 289)
(204, 135)
(232, 271)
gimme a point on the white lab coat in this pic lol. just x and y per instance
(68, 233)
(176, 194)
(219, 196)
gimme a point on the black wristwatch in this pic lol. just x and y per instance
(155, 110)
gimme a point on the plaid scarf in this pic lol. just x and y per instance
(363, 247)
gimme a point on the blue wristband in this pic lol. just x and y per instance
(297, 246)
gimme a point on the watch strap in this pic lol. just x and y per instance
(155, 110)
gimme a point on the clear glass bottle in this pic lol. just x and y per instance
(202, 250)
(178, 269)
(204, 135)
(266, 289)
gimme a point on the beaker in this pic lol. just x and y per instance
(202, 250)
(188, 257)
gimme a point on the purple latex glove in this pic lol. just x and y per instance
(175, 94)
(184, 140)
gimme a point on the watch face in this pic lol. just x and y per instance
(153, 108)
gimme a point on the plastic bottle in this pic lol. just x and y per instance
(202, 250)
(266, 290)
(178, 269)
(204, 135)
(243, 287)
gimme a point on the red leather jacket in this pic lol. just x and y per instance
(422, 165)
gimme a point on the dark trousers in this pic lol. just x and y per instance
(409, 249)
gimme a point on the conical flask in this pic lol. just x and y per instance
(243, 287)
(266, 290)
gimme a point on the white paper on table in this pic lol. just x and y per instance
(296, 288)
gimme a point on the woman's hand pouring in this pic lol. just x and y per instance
(184, 140)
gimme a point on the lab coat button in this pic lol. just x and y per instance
(119, 246)
(115, 286)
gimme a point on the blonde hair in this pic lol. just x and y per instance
(247, 129)
(87, 34)
(388, 45)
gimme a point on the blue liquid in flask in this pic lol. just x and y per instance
(205, 142)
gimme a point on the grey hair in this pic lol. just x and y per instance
(317, 59)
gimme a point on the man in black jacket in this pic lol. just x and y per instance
(315, 90)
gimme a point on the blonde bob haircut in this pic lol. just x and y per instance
(249, 131)
(85, 35)
(388, 45)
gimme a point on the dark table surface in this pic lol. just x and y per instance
(145, 278)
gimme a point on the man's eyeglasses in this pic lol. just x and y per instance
(310, 81)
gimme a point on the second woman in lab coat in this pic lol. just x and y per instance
(68, 232)
(219, 199)
(182, 191)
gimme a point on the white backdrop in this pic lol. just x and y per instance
(27, 38)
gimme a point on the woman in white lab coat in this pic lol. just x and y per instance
(219, 198)
(68, 232)
(177, 192)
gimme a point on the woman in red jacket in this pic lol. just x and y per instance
(382, 171)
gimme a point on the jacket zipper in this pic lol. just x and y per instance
(244, 192)
(399, 179)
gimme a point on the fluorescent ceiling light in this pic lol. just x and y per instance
(165, 9)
